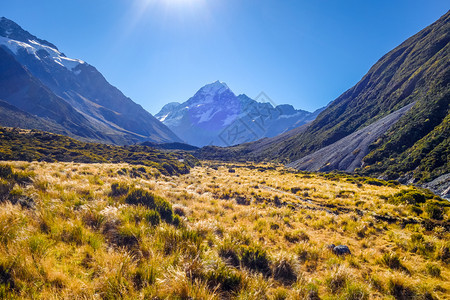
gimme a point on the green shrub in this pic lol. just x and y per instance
(375, 182)
(164, 208)
(400, 290)
(412, 197)
(126, 236)
(392, 261)
(5, 189)
(355, 291)
(152, 217)
(255, 258)
(145, 198)
(433, 270)
(6, 171)
(181, 240)
(168, 168)
(119, 189)
(145, 275)
(142, 197)
(283, 270)
(434, 211)
(229, 254)
(6, 281)
(443, 253)
(225, 278)
(416, 210)
(337, 280)
(297, 236)
(177, 222)
(417, 244)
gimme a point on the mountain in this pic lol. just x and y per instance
(216, 116)
(410, 86)
(69, 93)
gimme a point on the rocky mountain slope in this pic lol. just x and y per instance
(216, 116)
(415, 148)
(40, 80)
(348, 153)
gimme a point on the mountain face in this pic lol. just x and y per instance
(413, 148)
(69, 93)
(216, 116)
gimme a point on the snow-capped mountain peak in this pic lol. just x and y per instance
(16, 39)
(216, 116)
(216, 87)
(40, 52)
(12, 30)
(66, 95)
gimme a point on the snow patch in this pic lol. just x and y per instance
(163, 118)
(206, 116)
(230, 119)
(33, 47)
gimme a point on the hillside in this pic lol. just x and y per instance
(41, 81)
(34, 145)
(347, 153)
(240, 231)
(414, 149)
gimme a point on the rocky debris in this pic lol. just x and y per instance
(339, 250)
(348, 153)
(440, 186)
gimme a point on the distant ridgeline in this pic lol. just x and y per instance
(393, 124)
(34, 145)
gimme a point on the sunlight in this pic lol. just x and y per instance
(170, 3)
(168, 7)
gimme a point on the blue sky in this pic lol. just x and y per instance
(300, 52)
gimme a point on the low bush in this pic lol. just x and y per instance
(229, 254)
(443, 253)
(152, 217)
(408, 197)
(434, 211)
(392, 261)
(145, 198)
(306, 253)
(255, 258)
(119, 189)
(375, 182)
(283, 269)
(400, 290)
(145, 275)
(433, 270)
(418, 244)
(225, 278)
(6, 172)
(337, 280)
(296, 236)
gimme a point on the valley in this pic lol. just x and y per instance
(257, 231)
(223, 196)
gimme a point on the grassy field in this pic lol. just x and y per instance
(247, 231)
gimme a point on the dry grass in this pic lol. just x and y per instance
(260, 232)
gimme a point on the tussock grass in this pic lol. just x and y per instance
(75, 231)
